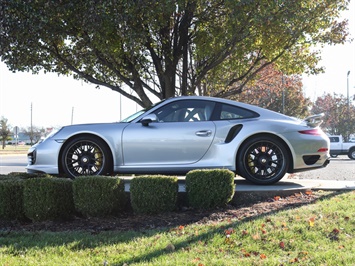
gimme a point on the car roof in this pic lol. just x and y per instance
(265, 113)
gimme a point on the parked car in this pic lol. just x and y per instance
(185, 133)
(339, 147)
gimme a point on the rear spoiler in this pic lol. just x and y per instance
(314, 120)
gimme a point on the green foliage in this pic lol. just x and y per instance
(98, 195)
(217, 44)
(208, 189)
(11, 198)
(154, 194)
(5, 133)
(48, 198)
(23, 175)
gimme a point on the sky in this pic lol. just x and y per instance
(49, 100)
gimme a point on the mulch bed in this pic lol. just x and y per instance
(252, 208)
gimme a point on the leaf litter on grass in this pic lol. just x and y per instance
(315, 229)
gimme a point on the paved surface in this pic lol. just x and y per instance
(297, 184)
(285, 185)
(340, 168)
(338, 175)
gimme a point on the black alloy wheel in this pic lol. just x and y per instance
(263, 160)
(85, 156)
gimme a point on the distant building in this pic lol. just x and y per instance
(22, 139)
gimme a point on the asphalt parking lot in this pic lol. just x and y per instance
(340, 168)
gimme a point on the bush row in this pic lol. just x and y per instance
(42, 197)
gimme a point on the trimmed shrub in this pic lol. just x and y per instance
(207, 189)
(48, 198)
(5, 177)
(28, 175)
(154, 194)
(11, 198)
(99, 196)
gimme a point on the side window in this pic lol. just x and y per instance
(228, 112)
(185, 111)
(334, 139)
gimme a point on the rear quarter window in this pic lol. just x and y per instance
(229, 112)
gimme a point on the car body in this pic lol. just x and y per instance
(339, 147)
(186, 133)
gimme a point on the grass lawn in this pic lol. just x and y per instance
(320, 233)
(15, 149)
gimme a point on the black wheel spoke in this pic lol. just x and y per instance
(84, 158)
(264, 160)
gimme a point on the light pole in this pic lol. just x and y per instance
(347, 86)
(72, 114)
(348, 123)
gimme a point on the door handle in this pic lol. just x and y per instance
(204, 133)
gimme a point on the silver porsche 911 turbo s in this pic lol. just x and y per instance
(185, 133)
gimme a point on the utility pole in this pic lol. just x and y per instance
(31, 137)
(347, 87)
(348, 123)
(283, 95)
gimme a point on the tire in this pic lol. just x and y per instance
(85, 156)
(334, 155)
(263, 160)
(351, 154)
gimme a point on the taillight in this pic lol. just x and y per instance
(314, 132)
(323, 150)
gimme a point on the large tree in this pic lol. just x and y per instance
(34, 133)
(275, 91)
(157, 49)
(339, 114)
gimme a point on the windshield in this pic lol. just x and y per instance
(132, 117)
(139, 113)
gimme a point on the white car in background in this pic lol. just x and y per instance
(339, 147)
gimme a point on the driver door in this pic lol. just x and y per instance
(182, 135)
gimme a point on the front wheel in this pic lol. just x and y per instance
(263, 160)
(85, 156)
(351, 154)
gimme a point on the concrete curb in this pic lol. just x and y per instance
(286, 186)
(246, 192)
(297, 184)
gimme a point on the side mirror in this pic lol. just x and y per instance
(149, 119)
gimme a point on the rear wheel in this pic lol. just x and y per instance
(263, 160)
(351, 154)
(85, 156)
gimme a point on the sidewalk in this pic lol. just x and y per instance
(284, 186)
(296, 185)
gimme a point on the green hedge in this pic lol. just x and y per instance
(40, 198)
(154, 194)
(11, 198)
(99, 195)
(48, 198)
(23, 175)
(208, 189)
